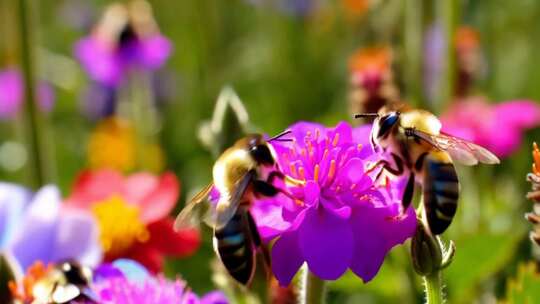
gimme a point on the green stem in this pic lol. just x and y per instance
(413, 50)
(32, 120)
(433, 286)
(313, 289)
(448, 15)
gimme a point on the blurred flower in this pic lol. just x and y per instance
(534, 195)
(125, 282)
(23, 290)
(38, 227)
(469, 59)
(127, 38)
(470, 64)
(356, 8)
(340, 218)
(12, 94)
(371, 79)
(133, 215)
(497, 127)
(112, 145)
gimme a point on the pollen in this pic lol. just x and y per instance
(120, 225)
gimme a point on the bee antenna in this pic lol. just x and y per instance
(362, 115)
(277, 137)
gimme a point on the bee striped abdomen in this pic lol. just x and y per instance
(235, 247)
(441, 193)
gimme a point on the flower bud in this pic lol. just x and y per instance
(426, 251)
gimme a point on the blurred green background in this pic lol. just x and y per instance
(289, 66)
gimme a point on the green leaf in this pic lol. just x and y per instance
(229, 122)
(477, 258)
(526, 287)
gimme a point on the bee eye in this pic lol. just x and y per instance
(262, 154)
(386, 123)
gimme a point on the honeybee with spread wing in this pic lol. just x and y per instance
(242, 173)
(418, 148)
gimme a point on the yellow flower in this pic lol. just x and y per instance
(112, 145)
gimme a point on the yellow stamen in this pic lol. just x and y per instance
(536, 158)
(325, 154)
(332, 170)
(303, 152)
(359, 147)
(302, 173)
(316, 172)
(353, 186)
(299, 203)
(293, 169)
(336, 140)
(120, 225)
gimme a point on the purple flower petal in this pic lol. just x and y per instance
(99, 60)
(286, 258)
(77, 237)
(376, 231)
(37, 230)
(13, 201)
(326, 243)
(154, 51)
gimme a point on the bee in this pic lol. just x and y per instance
(65, 282)
(242, 173)
(418, 148)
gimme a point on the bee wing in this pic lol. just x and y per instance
(186, 217)
(224, 213)
(460, 150)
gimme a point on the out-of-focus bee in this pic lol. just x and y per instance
(65, 282)
(243, 172)
(418, 148)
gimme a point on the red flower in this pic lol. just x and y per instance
(133, 215)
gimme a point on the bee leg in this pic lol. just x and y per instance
(288, 179)
(267, 189)
(264, 188)
(388, 167)
(408, 193)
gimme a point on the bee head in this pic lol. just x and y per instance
(260, 150)
(382, 127)
(75, 273)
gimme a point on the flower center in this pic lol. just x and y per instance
(120, 225)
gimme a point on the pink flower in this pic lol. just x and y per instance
(497, 127)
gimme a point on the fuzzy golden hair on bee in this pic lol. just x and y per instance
(419, 150)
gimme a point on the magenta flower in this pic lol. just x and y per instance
(498, 127)
(126, 39)
(12, 94)
(126, 282)
(340, 218)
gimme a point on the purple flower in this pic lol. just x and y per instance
(125, 39)
(126, 281)
(340, 218)
(12, 93)
(497, 127)
(35, 227)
